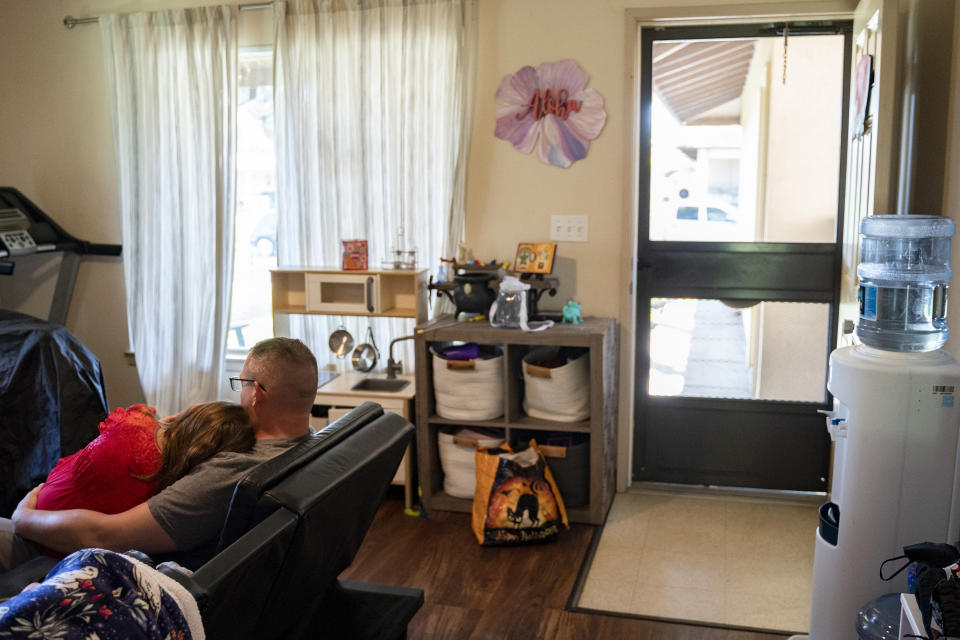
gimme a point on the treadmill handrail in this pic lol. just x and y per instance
(101, 249)
(73, 246)
(87, 248)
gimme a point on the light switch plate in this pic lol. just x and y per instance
(568, 228)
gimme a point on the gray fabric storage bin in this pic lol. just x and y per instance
(572, 474)
(572, 471)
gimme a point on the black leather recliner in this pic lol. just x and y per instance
(295, 523)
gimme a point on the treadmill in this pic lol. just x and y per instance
(25, 229)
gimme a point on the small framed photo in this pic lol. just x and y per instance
(535, 257)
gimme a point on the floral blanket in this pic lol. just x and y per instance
(95, 594)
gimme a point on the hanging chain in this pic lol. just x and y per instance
(786, 34)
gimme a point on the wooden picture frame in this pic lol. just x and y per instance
(535, 257)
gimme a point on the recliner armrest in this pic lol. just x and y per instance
(179, 573)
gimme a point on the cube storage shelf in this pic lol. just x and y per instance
(596, 334)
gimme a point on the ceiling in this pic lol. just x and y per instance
(694, 77)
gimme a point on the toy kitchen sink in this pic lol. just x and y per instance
(381, 384)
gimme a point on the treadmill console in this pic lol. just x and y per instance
(17, 242)
(14, 233)
(26, 229)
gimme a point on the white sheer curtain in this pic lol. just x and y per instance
(173, 87)
(373, 106)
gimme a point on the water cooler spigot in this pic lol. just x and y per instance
(836, 426)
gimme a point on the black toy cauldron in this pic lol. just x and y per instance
(473, 293)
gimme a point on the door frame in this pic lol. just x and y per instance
(635, 20)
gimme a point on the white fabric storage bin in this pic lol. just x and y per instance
(468, 389)
(560, 393)
(458, 459)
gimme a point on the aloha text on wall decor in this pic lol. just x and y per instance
(551, 107)
(542, 105)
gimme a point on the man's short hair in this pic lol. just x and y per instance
(287, 362)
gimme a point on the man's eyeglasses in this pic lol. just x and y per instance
(237, 383)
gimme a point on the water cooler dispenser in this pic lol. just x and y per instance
(895, 425)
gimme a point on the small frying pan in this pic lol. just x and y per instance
(341, 342)
(365, 355)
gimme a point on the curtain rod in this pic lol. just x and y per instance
(70, 22)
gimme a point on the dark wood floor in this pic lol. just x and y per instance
(474, 592)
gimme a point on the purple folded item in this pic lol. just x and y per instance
(469, 351)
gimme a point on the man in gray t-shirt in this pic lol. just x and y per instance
(277, 385)
(193, 509)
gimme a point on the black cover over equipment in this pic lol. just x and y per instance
(52, 399)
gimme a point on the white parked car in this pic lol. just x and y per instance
(703, 222)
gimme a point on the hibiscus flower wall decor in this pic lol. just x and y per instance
(551, 102)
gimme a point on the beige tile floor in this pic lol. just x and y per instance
(728, 560)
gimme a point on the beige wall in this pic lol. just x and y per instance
(801, 189)
(511, 196)
(56, 147)
(801, 181)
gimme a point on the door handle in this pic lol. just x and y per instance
(369, 294)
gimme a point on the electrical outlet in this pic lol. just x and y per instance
(568, 228)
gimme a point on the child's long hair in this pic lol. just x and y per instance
(197, 434)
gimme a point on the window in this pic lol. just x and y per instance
(710, 348)
(731, 136)
(317, 164)
(255, 230)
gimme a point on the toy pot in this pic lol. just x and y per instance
(473, 293)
